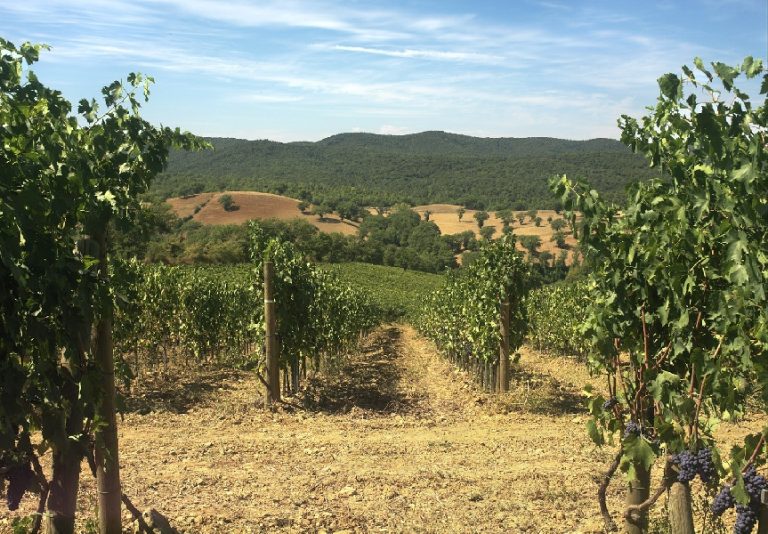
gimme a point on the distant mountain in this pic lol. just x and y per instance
(429, 167)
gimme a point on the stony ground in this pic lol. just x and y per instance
(398, 441)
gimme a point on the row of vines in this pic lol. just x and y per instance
(464, 317)
(172, 315)
(555, 317)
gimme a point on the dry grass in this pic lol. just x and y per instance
(445, 216)
(397, 441)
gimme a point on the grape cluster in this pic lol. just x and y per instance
(746, 518)
(688, 465)
(723, 501)
(707, 470)
(746, 514)
(19, 477)
(610, 403)
(691, 464)
(632, 428)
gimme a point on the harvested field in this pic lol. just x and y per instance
(253, 205)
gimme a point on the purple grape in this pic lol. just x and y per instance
(705, 465)
(746, 519)
(19, 478)
(723, 501)
(610, 403)
(687, 464)
(632, 428)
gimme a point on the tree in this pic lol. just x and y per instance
(532, 214)
(531, 243)
(559, 239)
(461, 211)
(303, 206)
(77, 174)
(481, 216)
(321, 210)
(558, 224)
(486, 232)
(349, 210)
(679, 287)
(427, 213)
(537, 221)
(521, 218)
(227, 202)
(506, 217)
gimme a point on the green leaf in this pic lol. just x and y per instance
(671, 86)
(595, 434)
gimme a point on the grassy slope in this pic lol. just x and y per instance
(398, 291)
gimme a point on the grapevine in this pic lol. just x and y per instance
(463, 316)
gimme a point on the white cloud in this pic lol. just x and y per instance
(389, 129)
(469, 57)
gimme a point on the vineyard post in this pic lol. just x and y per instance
(272, 393)
(503, 385)
(106, 450)
(680, 510)
(639, 491)
(762, 525)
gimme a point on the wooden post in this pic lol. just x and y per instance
(680, 509)
(106, 449)
(638, 493)
(504, 348)
(272, 393)
(762, 518)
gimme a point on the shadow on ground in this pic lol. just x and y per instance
(175, 392)
(369, 380)
(540, 394)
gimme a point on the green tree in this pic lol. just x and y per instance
(481, 216)
(321, 210)
(427, 214)
(303, 206)
(531, 243)
(559, 239)
(227, 202)
(537, 221)
(679, 283)
(486, 232)
(461, 211)
(65, 179)
(558, 224)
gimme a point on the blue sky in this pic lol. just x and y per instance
(293, 70)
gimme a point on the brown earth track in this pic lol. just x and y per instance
(396, 441)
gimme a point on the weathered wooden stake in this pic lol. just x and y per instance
(106, 449)
(272, 393)
(680, 509)
(638, 493)
(503, 385)
(762, 521)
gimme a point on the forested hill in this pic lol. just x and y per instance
(430, 167)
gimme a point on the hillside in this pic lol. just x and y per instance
(425, 168)
(205, 208)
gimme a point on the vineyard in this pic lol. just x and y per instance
(369, 399)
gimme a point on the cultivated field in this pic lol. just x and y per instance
(253, 205)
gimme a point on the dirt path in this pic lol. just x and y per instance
(398, 441)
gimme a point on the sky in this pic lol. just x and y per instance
(302, 70)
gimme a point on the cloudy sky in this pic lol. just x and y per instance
(305, 69)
